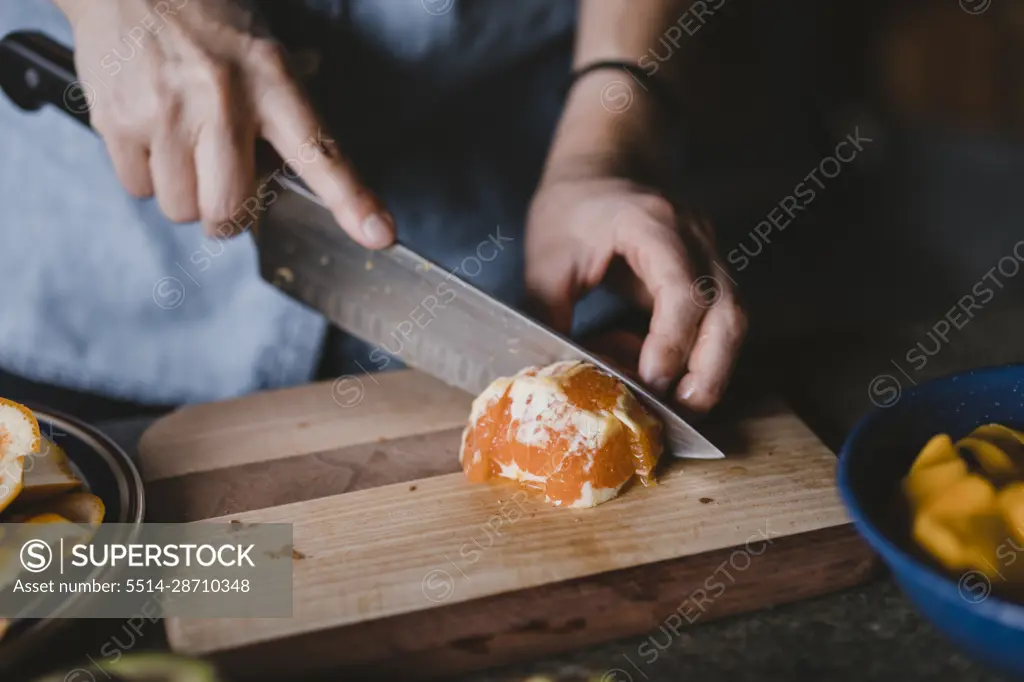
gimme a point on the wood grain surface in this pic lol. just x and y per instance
(278, 424)
(431, 576)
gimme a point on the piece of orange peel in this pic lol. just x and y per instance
(971, 520)
(19, 437)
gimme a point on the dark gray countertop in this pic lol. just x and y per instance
(864, 634)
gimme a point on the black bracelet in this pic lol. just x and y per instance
(645, 80)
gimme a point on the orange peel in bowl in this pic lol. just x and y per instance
(569, 430)
(961, 527)
(1011, 440)
(992, 459)
(967, 502)
(10, 564)
(48, 473)
(19, 437)
(935, 469)
(19, 429)
(938, 450)
(1011, 502)
(78, 507)
(46, 517)
(11, 480)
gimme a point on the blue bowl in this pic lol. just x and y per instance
(873, 460)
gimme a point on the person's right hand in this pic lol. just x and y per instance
(180, 90)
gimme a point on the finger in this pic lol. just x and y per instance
(657, 255)
(551, 292)
(714, 354)
(172, 166)
(130, 158)
(226, 176)
(290, 125)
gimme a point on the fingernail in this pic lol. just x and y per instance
(660, 384)
(652, 372)
(686, 389)
(377, 230)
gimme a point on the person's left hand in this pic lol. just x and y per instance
(594, 227)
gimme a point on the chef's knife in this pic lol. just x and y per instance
(394, 299)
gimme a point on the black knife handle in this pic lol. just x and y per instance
(36, 70)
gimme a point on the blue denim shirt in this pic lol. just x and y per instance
(101, 293)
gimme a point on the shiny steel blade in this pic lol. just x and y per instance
(418, 311)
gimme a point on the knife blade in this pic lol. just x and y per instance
(409, 307)
(393, 299)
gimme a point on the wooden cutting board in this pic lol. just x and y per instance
(405, 570)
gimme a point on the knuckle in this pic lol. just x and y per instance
(657, 207)
(105, 125)
(634, 218)
(216, 75)
(647, 227)
(358, 203)
(116, 127)
(671, 293)
(160, 113)
(217, 222)
(220, 228)
(674, 293)
(137, 187)
(217, 80)
(160, 90)
(269, 56)
(740, 320)
(736, 323)
(223, 214)
(148, 104)
(178, 212)
(640, 239)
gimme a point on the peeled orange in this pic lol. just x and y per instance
(568, 430)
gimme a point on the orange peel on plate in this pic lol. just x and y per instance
(78, 507)
(48, 473)
(19, 437)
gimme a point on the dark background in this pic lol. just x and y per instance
(886, 249)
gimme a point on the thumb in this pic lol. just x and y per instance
(551, 294)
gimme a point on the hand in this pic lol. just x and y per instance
(586, 228)
(180, 90)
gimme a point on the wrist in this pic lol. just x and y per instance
(611, 124)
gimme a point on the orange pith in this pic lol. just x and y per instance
(5, 436)
(559, 428)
